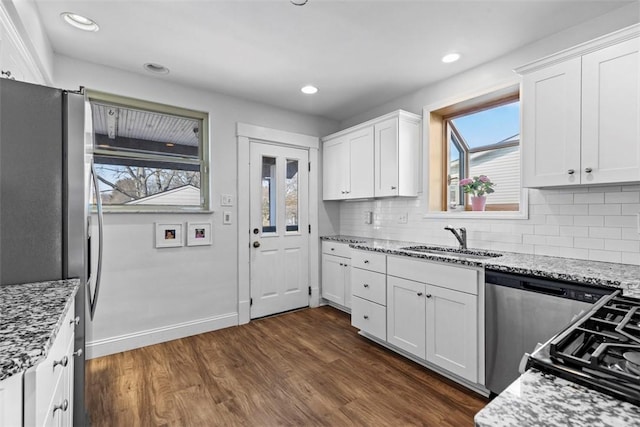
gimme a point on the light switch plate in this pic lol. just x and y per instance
(226, 200)
(226, 217)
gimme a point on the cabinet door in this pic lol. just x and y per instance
(360, 164)
(11, 401)
(452, 331)
(551, 125)
(333, 277)
(386, 158)
(335, 169)
(611, 114)
(347, 282)
(406, 315)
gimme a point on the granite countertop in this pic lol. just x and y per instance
(30, 318)
(621, 276)
(538, 399)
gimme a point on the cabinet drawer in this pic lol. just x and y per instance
(335, 248)
(369, 260)
(435, 273)
(369, 317)
(41, 381)
(369, 285)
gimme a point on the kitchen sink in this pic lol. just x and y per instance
(438, 250)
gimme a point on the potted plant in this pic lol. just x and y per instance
(477, 187)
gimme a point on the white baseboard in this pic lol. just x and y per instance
(112, 345)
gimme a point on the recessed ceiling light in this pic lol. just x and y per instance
(156, 68)
(309, 90)
(451, 57)
(79, 21)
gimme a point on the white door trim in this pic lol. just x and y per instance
(245, 133)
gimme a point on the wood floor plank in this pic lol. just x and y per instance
(306, 368)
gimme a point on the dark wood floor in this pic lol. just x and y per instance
(303, 368)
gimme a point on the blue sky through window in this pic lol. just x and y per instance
(489, 126)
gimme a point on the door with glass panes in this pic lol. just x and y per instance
(279, 229)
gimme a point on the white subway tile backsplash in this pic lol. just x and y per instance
(586, 222)
(588, 198)
(606, 256)
(605, 232)
(622, 245)
(604, 209)
(620, 221)
(622, 197)
(590, 221)
(574, 231)
(547, 230)
(588, 243)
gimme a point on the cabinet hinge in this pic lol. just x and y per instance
(309, 166)
(309, 228)
(250, 302)
(309, 290)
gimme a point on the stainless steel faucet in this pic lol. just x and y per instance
(462, 236)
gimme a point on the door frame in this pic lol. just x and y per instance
(246, 133)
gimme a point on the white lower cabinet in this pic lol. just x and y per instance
(48, 386)
(406, 314)
(452, 331)
(11, 401)
(336, 273)
(431, 310)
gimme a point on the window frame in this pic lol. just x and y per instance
(203, 150)
(436, 151)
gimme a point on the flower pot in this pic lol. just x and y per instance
(478, 203)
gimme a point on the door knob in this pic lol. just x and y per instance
(256, 244)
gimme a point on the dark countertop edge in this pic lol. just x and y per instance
(507, 263)
(8, 372)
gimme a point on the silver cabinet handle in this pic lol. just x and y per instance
(428, 295)
(393, 188)
(75, 321)
(63, 406)
(78, 352)
(571, 171)
(366, 261)
(419, 294)
(588, 170)
(365, 316)
(366, 285)
(333, 249)
(62, 362)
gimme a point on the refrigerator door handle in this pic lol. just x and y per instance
(93, 300)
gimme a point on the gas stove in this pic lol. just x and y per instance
(600, 349)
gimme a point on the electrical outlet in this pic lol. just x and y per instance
(403, 218)
(368, 217)
(226, 217)
(226, 200)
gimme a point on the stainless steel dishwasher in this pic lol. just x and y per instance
(522, 311)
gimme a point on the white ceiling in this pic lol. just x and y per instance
(359, 53)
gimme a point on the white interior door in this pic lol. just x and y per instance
(279, 229)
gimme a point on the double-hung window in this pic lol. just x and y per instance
(148, 156)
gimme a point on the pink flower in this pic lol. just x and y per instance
(466, 181)
(483, 178)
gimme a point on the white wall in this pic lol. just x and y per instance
(150, 295)
(595, 223)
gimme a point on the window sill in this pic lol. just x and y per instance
(477, 215)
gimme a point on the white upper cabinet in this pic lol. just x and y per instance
(397, 156)
(581, 114)
(379, 158)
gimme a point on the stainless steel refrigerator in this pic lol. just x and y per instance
(45, 191)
